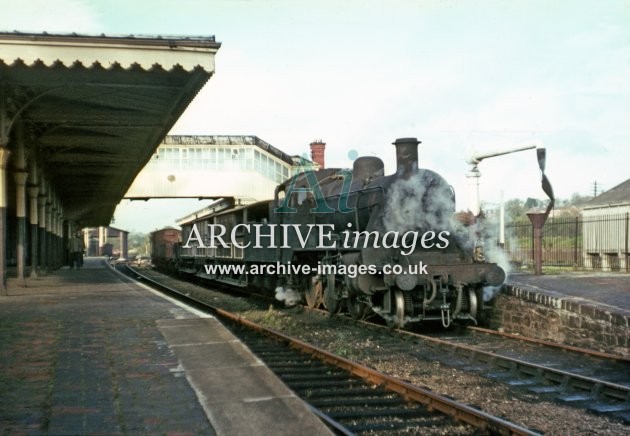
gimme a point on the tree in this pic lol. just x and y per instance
(514, 210)
(531, 203)
(138, 243)
(578, 200)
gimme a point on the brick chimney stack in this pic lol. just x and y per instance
(317, 152)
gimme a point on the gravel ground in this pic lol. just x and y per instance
(386, 352)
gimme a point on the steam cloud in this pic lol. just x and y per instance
(288, 295)
(481, 232)
(495, 254)
(423, 201)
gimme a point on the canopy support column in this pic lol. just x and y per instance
(5, 125)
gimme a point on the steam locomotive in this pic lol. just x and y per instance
(374, 244)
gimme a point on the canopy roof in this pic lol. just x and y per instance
(94, 108)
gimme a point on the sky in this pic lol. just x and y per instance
(464, 77)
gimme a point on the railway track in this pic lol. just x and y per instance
(582, 378)
(348, 403)
(352, 398)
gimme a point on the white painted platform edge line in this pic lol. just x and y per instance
(178, 303)
(196, 344)
(256, 400)
(184, 306)
(204, 405)
(181, 324)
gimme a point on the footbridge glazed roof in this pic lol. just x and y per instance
(91, 110)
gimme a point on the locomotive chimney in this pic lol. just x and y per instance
(317, 152)
(406, 154)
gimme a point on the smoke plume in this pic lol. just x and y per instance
(423, 201)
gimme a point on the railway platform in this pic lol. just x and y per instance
(89, 351)
(590, 310)
(598, 288)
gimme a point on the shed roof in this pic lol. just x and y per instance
(619, 195)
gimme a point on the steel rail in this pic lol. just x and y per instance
(562, 379)
(431, 400)
(601, 387)
(572, 348)
(598, 387)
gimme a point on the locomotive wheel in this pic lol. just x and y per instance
(473, 303)
(330, 301)
(398, 311)
(314, 293)
(358, 309)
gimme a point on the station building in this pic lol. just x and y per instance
(106, 241)
(606, 229)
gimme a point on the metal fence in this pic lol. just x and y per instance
(592, 243)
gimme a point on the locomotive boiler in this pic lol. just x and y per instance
(374, 244)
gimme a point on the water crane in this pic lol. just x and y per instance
(474, 172)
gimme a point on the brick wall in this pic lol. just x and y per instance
(562, 319)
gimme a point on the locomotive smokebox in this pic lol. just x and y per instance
(406, 154)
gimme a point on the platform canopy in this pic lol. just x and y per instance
(91, 110)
